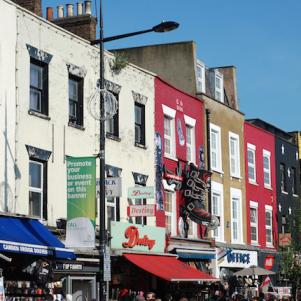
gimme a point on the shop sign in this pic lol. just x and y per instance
(142, 210)
(139, 238)
(236, 258)
(269, 262)
(69, 266)
(27, 249)
(141, 192)
(112, 186)
(285, 239)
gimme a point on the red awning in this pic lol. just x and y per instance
(168, 268)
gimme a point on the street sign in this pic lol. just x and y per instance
(141, 192)
(142, 210)
(107, 265)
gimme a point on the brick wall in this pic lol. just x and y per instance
(34, 6)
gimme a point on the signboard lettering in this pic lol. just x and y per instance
(132, 234)
(141, 193)
(142, 210)
(238, 257)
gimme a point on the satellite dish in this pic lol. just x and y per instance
(110, 104)
(214, 223)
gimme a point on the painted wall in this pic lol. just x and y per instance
(257, 192)
(7, 106)
(183, 104)
(55, 135)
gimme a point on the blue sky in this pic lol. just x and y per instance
(262, 38)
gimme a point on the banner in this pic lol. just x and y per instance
(81, 202)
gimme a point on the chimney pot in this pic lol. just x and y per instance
(88, 7)
(60, 11)
(49, 13)
(69, 8)
(79, 9)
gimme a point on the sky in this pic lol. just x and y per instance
(261, 38)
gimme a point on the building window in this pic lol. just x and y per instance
(269, 226)
(139, 123)
(169, 136)
(215, 148)
(294, 180)
(267, 168)
(170, 222)
(192, 228)
(254, 222)
(216, 210)
(112, 205)
(140, 220)
(112, 124)
(219, 86)
(190, 144)
(234, 155)
(283, 178)
(200, 77)
(251, 163)
(37, 189)
(236, 216)
(38, 86)
(76, 95)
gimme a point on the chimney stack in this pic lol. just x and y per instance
(49, 13)
(34, 6)
(83, 25)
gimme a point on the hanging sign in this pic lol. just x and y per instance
(141, 192)
(142, 210)
(269, 262)
(81, 202)
(112, 186)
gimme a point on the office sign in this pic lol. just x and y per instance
(128, 236)
(234, 258)
(141, 192)
(142, 210)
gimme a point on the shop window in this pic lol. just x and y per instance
(234, 155)
(251, 163)
(112, 124)
(283, 178)
(139, 124)
(38, 87)
(267, 168)
(269, 226)
(38, 189)
(215, 148)
(76, 93)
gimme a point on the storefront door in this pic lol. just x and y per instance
(82, 288)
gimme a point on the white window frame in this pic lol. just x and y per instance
(254, 205)
(266, 154)
(216, 130)
(172, 214)
(252, 149)
(170, 114)
(218, 75)
(236, 157)
(35, 189)
(190, 123)
(200, 77)
(112, 205)
(236, 196)
(218, 189)
(269, 209)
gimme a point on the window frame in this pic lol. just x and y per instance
(269, 209)
(214, 129)
(218, 189)
(251, 148)
(44, 101)
(200, 80)
(140, 126)
(218, 76)
(267, 154)
(236, 196)
(171, 214)
(254, 206)
(236, 157)
(113, 122)
(78, 119)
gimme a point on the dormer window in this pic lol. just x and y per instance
(219, 86)
(200, 77)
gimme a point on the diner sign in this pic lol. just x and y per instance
(141, 192)
(136, 237)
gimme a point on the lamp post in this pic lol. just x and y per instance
(162, 27)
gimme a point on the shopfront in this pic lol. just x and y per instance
(139, 263)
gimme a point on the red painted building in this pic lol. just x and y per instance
(261, 194)
(179, 120)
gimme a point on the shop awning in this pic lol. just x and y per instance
(29, 236)
(168, 268)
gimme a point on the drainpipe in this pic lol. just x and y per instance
(208, 156)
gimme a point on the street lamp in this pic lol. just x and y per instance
(162, 27)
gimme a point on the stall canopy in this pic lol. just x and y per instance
(168, 268)
(29, 236)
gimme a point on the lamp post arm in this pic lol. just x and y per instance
(121, 36)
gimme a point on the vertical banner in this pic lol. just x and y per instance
(81, 202)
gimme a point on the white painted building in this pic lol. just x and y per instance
(48, 130)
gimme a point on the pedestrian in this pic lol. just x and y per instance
(150, 296)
